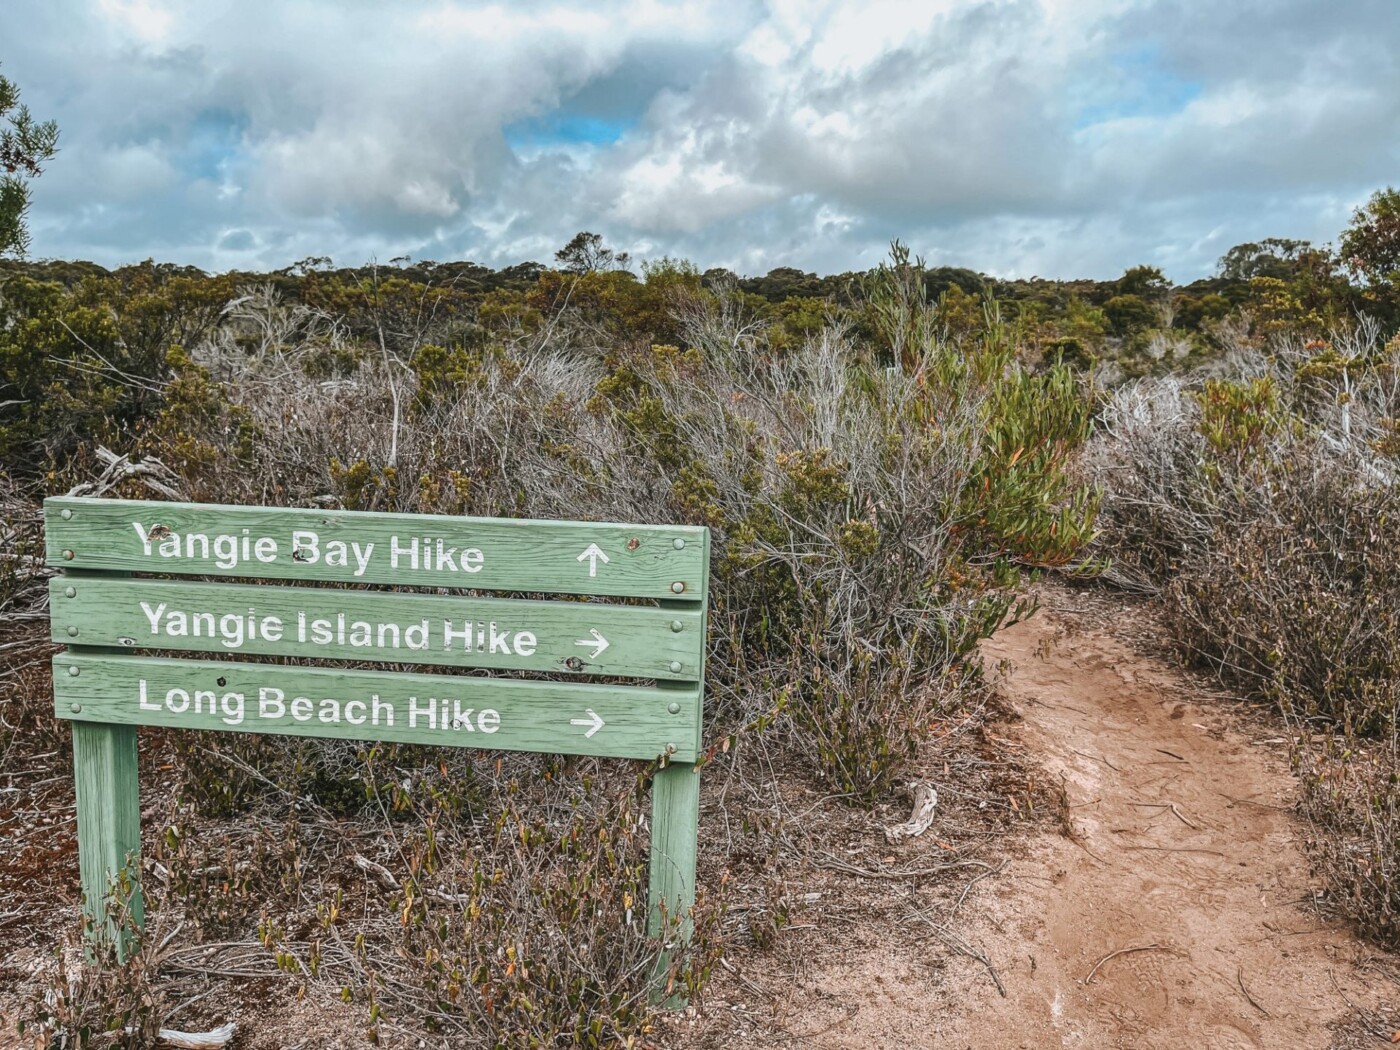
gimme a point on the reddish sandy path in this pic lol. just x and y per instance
(1183, 841)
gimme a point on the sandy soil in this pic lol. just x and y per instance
(1182, 889)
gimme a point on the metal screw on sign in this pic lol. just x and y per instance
(67, 555)
(677, 587)
(73, 671)
(675, 667)
(67, 514)
(675, 709)
(679, 544)
(70, 592)
(676, 625)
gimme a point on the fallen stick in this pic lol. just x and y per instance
(957, 944)
(219, 1037)
(1124, 951)
(379, 871)
(836, 864)
(211, 1040)
(1239, 977)
(925, 802)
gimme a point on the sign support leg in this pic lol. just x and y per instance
(675, 817)
(109, 827)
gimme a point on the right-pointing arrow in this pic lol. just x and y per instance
(593, 721)
(597, 643)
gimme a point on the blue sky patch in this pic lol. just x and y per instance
(566, 129)
(215, 137)
(1138, 83)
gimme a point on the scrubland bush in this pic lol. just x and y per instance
(874, 491)
(1264, 504)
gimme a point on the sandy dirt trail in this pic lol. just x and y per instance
(1185, 858)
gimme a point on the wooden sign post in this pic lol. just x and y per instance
(107, 616)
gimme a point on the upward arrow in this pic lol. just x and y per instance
(593, 554)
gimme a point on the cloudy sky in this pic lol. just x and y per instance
(1019, 137)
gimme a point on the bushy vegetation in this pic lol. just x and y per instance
(882, 457)
(875, 484)
(1263, 503)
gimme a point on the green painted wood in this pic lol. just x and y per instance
(568, 637)
(109, 828)
(675, 823)
(578, 718)
(494, 554)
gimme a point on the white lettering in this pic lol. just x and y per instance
(305, 546)
(362, 557)
(225, 551)
(270, 703)
(231, 628)
(232, 705)
(153, 615)
(449, 633)
(427, 710)
(411, 551)
(381, 708)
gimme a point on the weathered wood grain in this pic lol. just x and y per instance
(494, 554)
(572, 637)
(578, 718)
(109, 828)
(675, 825)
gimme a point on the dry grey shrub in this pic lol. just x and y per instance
(1266, 511)
(831, 487)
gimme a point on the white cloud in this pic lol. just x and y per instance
(1019, 137)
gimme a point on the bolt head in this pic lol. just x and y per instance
(70, 592)
(65, 514)
(72, 632)
(677, 587)
(67, 555)
(75, 708)
(677, 626)
(674, 708)
(675, 667)
(73, 670)
(678, 543)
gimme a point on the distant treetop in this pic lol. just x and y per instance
(25, 144)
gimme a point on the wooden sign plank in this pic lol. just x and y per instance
(575, 718)
(333, 624)
(494, 554)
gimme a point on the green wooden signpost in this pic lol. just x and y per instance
(115, 599)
